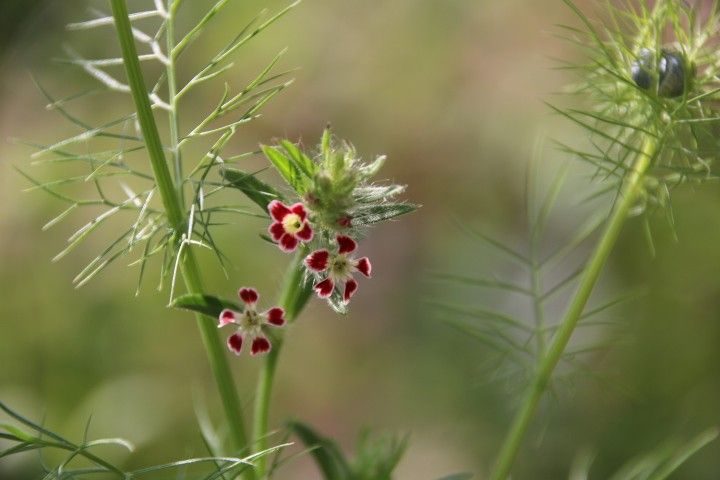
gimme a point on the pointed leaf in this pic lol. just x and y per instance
(379, 213)
(326, 452)
(16, 432)
(285, 167)
(256, 190)
(205, 304)
(301, 161)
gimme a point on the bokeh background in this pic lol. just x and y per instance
(452, 91)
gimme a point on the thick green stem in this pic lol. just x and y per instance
(293, 298)
(174, 211)
(631, 188)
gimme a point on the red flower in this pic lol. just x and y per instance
(290, 225)
(250, 323)
(339, 268)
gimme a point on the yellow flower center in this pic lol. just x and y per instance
(292, 223)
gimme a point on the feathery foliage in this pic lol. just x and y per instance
(112, 154)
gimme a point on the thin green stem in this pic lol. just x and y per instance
(174, 211)
(293, 298)
(629, 193)
(173, 99)
(539, 311)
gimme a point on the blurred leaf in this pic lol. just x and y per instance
(327, 454)
(378, 213)
(205, 304)
(458, 476)
(663, 461)
(16, 432)
(377, 457)
(256, 190)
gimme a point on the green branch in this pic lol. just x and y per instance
(521, 423)
(294, 296)
(174, 211)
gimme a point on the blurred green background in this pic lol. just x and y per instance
(452, 92)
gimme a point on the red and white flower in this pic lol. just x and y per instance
(250, 323)
(338, 268)
(290, 225)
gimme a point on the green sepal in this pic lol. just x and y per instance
(256, 190)
(326, 143)
(287, 168)
(205, 304)
(378, 213)
(369, 171)
(326, 453)
(301, 161)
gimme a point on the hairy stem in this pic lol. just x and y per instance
(293, 298)
(630, 190)
(174, 211)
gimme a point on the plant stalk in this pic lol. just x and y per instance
(173, 118)
(293, 297)
(174, 211)
(632, 186)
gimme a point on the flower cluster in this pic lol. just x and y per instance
(337, 203)
(335, 268)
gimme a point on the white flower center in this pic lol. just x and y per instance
(340, 267)
(292, 223)
(250, 321)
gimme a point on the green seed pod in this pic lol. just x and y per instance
(670, 72)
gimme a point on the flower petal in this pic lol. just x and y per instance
(260, 345)
(325, 288)
(299, 209)
(346, 244)
(234, 343)
(317, 261)
(276, 316)
(278, 210)
(306, 234)
(248, 295)
(364, 266)
(288, 243)
(345, 221)
(226, 316)
(276, 231)
(351, 287)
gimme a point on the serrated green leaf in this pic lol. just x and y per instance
(205, 304)
(302, 161)
(378, 213)
(285, 167)
(325, 452)
(256, 190)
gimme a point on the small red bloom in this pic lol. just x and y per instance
(339, 268)
(250, 323)
(290, 225)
